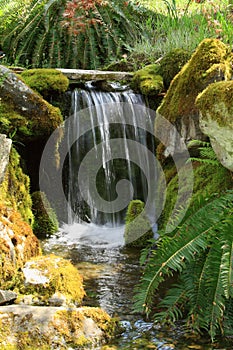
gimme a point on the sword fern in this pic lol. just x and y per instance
(201, 252)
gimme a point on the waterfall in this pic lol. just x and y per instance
(113, 155)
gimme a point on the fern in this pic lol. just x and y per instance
(207, 154)
(40, 38)
(201, 251)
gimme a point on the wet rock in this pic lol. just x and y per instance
(7, 297)
(54, 327)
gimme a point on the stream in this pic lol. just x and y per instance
(110, 274)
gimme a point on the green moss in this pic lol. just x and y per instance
(216, 101)
(12, 123)
(171, 64)
(148, 80)
(46, 81)
(137, 228)
(210, 62)
(208, 180)
(15, 189)
(45, 220)
(62, 277)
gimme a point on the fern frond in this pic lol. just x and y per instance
(175, 253)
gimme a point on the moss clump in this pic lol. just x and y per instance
(148, 80)
(208, 180)
(45, 220)
(137, 228)
(210, 62)
(61, 276)
(215, 103)
(15, 189)
(46, 81)
(172, 63)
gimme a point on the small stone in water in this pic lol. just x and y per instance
(7, 297)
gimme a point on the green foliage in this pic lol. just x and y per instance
(45, 220)
(40, 37)
(200, 250)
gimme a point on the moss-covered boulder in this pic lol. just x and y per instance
(15, 188)
(138, 227)
(49, 278)
(17, 245)
(45, 220)
(148, 80)
(23, 112)
(46, 81)
(33, 327)
(211, 62)
(216, 119)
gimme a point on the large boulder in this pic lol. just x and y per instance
(23, 112)
(216, 119)
(41, 327)
(210, 62)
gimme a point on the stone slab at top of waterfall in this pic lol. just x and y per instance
(87, 75)
(216, 111)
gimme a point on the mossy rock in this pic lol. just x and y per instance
(171, 64)
(148, 80)
(15, 189)
(210, 62)
(216, 110)
(17, 245)
(23, 112)
(45, 220)
(50, 275)
(138, 228)
(208, 180)
(46, 81)
(54, 328)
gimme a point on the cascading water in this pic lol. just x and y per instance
(112, 134)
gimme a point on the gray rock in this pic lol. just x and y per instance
(7, 297)
(5, 147)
